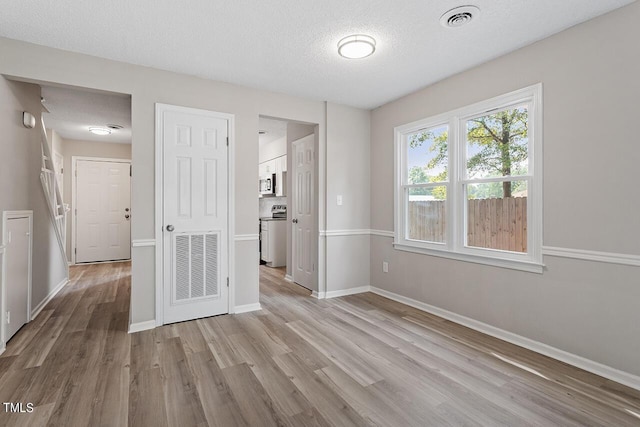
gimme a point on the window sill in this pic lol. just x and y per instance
(531, 267)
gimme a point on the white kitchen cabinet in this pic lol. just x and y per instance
(276, 166)
(274, 243)
(265, 255)
(281, 176)
(262, 170)
(270, 166)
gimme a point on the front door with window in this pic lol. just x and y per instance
(195, 211)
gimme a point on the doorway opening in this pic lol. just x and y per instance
(90, 137)
(288, 200)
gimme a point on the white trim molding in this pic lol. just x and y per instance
(246, 308)
(246, 237)
(607, 257)
(383, 233)
(318, 295)
(288, 278)
(554, 251)
(142, 326)
(358, 232)
(48, 298)
(141, 243)
(345, 292)
(597, 368)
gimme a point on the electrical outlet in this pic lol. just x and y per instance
(385, 267)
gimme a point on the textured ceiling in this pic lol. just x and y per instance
(275, 129)
(73, 111)
(289, 46)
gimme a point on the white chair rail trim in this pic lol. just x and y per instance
(554, 251)
(139, 243)
(246, 237)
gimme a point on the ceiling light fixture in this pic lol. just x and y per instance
(356, 46)
(100, 131)
(459, 16)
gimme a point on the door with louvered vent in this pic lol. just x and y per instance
(195, 199)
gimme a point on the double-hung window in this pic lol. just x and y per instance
(469, 183)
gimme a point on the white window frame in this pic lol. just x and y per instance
(454, 246)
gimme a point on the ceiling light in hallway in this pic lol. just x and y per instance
(100, 131)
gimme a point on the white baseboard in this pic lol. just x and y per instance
(247, 308)
(49, 297)
(288, 278)
(345, 292)
(142, 326)
(318, 295)
(597, 368)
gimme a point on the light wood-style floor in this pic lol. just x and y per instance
(358, 360)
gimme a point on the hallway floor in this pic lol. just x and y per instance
(357, 360)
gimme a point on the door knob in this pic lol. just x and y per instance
(126, 216)
(126, 209)
(295, 221)
(170, 228)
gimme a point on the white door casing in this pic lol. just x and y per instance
(17, 232)
(103, 211)
(195, 222)
(303, 241)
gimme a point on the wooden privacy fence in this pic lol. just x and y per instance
(492, 223)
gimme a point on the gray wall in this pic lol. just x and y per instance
(348, 175)
(591, 157)
(148, 86)
(20, 187)
(70, 148)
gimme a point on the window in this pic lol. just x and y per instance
(469, 183)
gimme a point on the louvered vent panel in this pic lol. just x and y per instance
(212, 265)
(197, 265)
(182, 284)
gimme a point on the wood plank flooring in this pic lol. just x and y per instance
(360, 360)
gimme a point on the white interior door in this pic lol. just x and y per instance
(195, 210)
(17, 254)
(303, 211)
(103, 216)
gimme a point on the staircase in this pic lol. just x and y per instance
(51, 187)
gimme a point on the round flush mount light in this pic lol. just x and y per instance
(100, 131)
(356, 46)
(459, 16)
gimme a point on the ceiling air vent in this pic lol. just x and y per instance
(114, 127)
(459, 16)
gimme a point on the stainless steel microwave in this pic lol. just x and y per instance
(268, 185)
